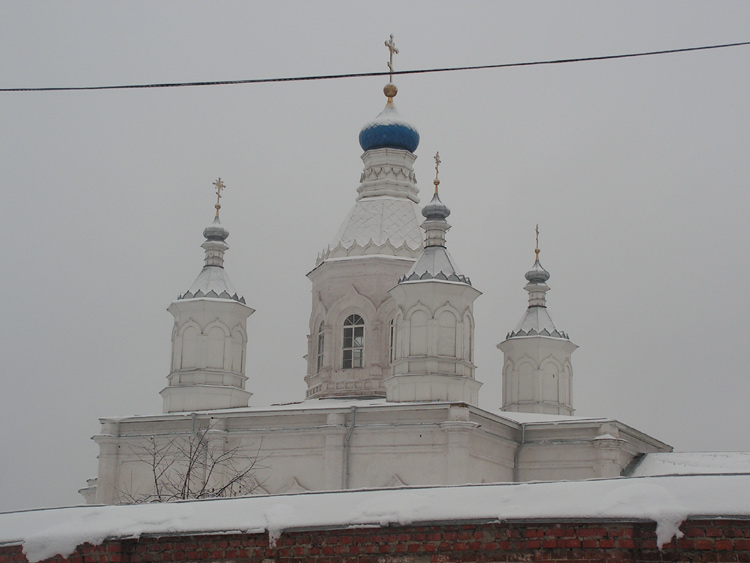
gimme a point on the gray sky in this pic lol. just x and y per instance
(636, 171)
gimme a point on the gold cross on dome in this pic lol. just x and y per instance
(536, 250)
(392, 48)
(437, 171)
(219, 185)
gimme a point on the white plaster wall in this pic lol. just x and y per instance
(209, 344)
(413, 444)
(537, 375)
(341, 288)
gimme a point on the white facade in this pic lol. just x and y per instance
(331, 444)
(391, 399)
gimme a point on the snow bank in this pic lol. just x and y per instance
(666, 500)
(692, 463)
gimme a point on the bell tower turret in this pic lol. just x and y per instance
(433, 332)
(209, 338)
(537, 370)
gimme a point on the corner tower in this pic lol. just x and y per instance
(350, 323)
(537, 370)
(434, 322)
(209, 338)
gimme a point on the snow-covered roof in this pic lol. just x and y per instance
(536, 321)
(380, 403)
(435, 263)
(381, 220)
(666, 500)
(692, 463)
(213, 281)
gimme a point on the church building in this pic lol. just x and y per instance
(391, 398)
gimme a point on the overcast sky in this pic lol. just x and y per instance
(636, 171)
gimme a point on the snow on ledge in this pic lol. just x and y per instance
(666, 500)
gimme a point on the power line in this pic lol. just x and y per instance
(366, 74)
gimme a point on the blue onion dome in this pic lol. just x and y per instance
(436, 210)
(537, 274)
(216, 231)
(389, 131)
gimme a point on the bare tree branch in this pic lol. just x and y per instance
(195, 465)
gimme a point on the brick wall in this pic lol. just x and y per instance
(704, 540)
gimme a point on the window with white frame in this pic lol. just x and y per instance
(354, 342)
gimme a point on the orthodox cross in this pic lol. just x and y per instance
(437, 171)
(392, 48)
(219, 186)
(536, 250)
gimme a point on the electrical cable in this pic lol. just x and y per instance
(368, 74)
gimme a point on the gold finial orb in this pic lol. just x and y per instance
(390, 89)
(536, 250)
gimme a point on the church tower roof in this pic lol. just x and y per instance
(213, 281)
(385, 218)
(435, 262)
(537, 321)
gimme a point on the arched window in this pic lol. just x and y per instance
(321, 343)
(354, 342)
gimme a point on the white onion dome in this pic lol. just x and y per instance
(537, 274)
(436, 210)
(216, 231)
(389, 130)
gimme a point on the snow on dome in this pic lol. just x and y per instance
(389, 131)
(436, 209)
(537, 274)
(216, 231)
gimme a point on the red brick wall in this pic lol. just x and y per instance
(709, 540)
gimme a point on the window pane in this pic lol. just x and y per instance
(353, 342)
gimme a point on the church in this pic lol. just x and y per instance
(392, 399)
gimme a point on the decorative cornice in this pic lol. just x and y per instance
(458, 426)
(460, 278)
(369, 249)
(401, 173)
(543, 332)
(211, 295)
